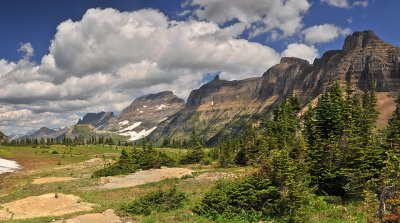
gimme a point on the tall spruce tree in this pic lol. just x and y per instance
(390, 189)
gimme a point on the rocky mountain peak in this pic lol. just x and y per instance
(97, 120)
(151, 100)
(361, 40)
(45, 130)
(3, 137)
(294, 61)
(145, 113)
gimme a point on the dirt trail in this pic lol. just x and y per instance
(106, 217)
(44, 205)
(45, 180)
(143, 177)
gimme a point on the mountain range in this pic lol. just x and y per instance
(220, 107)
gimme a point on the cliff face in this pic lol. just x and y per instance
(144, 114)
(216, 107)
(3, 137)
(97, 120)
(211, 107)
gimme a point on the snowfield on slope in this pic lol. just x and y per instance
(137, 135)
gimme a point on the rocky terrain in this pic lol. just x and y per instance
(220, 106)
(144, 114)
(97, 120)
(3, 137)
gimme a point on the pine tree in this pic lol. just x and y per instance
(391, 173)
(196, 153)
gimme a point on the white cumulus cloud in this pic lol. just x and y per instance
(324, 33)
(346, 3)
(106, 59)
(260, 16)
(302, 51)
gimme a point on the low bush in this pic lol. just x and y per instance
(159, 201)
(137, 159)
(231, 199)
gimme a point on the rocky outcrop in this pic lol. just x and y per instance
(219, 105)
(97, 120)
(211, 107)
(144, 114)
(3, 137)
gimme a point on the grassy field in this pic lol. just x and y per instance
(65, 161)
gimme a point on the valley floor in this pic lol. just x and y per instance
(57, 181)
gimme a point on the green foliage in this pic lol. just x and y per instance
(159, 201)
(281, 188)
(230, 199)
(196, 153)
(145, 158)
(343, 149)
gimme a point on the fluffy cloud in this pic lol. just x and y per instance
(346, 3)
(324, 33)
(27, 49)
(261, 16)
(301, 51)
(109, 57)
(106, 59)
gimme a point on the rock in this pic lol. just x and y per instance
(107, 216)
(145, 113)
(3, 137)
(45, 205)
(97, 120)
(219, 108)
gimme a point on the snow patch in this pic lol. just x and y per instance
(133, 135)
(144, 106)
(124, 122)
(129, 128)
(7, 166)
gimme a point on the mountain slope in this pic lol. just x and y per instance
(144, 114)
(97, 120)
(3, 137)
(43, 132)
(220, 107)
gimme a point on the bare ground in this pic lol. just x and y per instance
(143, 177)
(106, 217)
(45, 180)
(44, 205)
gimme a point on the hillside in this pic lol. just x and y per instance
(144, 114)
(97, 120)
(3, 137)
(219, 107)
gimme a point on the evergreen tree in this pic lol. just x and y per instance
(196, 153)
(390, 189)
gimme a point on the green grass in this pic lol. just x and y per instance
(20, 186)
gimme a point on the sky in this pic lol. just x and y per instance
(61, 59)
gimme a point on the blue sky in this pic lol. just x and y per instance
(61, 59)
(35, 21)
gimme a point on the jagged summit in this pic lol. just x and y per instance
(97, 120)
(293, 61)
(360, 40)
(3, 137)
(145, 113)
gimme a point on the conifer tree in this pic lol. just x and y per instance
(391, 173)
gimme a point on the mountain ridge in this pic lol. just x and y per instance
(370, 61)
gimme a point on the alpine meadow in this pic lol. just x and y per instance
(226, 111)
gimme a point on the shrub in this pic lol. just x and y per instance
(159, 201)
(146, 158)
(231, 199)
